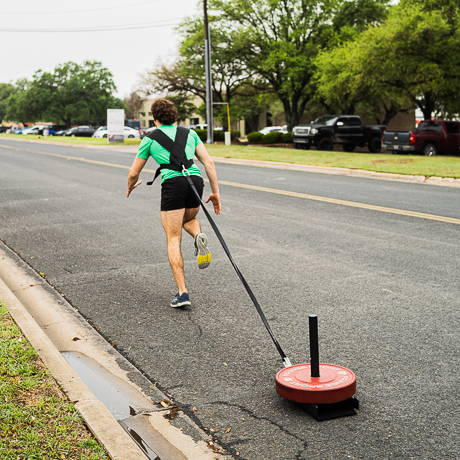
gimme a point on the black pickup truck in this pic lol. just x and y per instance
(432, 137)
(346, 130)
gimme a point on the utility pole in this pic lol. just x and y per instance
(207, 63)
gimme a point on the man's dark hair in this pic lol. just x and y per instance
(164, 111)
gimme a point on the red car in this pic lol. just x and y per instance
(432, 137)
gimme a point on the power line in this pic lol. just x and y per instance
(86, 10)
(92, 29)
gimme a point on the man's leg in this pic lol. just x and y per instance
(192, 226)
(172, 223)
(190, 223)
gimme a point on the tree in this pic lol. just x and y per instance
(72, 93)
(133, 104)
(356, 16)
(187, 75)
(6, 90)
(413, 59)
(184, 106)
(16, 106)
(417, 52)
(345, 85)
(279, 39)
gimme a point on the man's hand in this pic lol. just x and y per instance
(132, 187)
(133, 175)
(215, 199)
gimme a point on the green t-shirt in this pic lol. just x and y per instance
(149, 147)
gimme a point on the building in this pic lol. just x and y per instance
(145, 115)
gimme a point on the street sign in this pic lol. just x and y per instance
(115, 125)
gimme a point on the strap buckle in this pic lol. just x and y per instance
(185, 171)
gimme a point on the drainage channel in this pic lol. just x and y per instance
(127, 406)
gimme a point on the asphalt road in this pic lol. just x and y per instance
(385, 287)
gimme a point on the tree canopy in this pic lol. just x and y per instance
(6, 90)
(72, 93)
(279, 40)
(412, 59)
(264, 47)
(186, 76)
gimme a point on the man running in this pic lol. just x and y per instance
(179, 204)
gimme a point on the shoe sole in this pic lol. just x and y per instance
(187, 303)
(204, 256)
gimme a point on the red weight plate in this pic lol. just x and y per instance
(335, 384)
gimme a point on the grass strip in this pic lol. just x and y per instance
(69, 140)
(36, 419)
(418, 165)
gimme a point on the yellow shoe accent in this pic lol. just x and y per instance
(203, 260)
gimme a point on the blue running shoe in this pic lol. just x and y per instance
(182, 300)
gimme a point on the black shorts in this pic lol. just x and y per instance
(176, 193)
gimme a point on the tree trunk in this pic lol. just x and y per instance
(428, 105)
(390, 113)
(293, 112)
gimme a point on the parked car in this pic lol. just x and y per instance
(199, 126)
(80, 131)
(52, 129)
(61, 132)
(274, 129)
(346, 130)
(33, 129)
(432, 137)
(147, 131)
(133, 123)
(129, 133)
(17, 130)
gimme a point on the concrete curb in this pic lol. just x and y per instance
(100, 421)
(55, 329)
(429, 180)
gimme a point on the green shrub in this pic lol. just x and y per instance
(256, 138)
(219, 136)
(286, 138)
(202, 134)
(272, 138)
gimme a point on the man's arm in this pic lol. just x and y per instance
(133, 174)
(210, 168)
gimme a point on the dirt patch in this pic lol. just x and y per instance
(395, 161)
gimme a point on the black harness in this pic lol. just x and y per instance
(178, 159)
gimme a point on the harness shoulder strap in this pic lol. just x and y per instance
(164, 140)
(176, 149)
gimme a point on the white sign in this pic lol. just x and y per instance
(115, 125)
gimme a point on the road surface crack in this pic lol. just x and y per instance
(195, 323)
(251, 414)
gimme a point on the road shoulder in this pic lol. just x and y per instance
(56, 330)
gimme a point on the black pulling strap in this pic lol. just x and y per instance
(285, 359)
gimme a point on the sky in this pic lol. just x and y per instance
(126, 53)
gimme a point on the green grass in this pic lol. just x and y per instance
(443, 166)
(69, 140)
(419, 165)
(36, 420)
